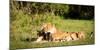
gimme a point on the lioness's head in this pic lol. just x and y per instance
(48, 27)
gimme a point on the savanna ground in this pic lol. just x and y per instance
(24, 27)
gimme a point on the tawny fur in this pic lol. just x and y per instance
(81, 35)
(48, 27)
(59, 35)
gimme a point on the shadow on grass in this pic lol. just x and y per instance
(29, 39)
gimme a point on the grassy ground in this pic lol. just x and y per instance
(64, 25)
